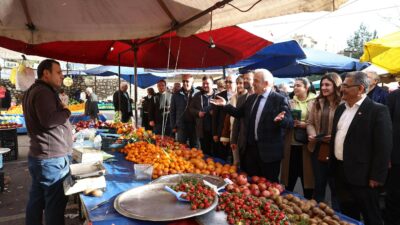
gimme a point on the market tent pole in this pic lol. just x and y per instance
(69, 89)
(119, 83)
(223, 72)
(135, 50)
(130, 83)
(95, 83)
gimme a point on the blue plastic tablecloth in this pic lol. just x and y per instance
(119, 178)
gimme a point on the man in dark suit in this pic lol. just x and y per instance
(265, 114)
(147, 101)
(159, 117)
(238, 127)
(122, 102)
(393, 182)
(361, 147)
(218, 118)
(375, 92)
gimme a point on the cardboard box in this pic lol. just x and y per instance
(85, 176)
(85, 155)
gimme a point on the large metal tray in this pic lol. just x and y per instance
(175, 178)
(151, 202)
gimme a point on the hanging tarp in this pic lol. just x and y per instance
(145, 80)
(314, 62)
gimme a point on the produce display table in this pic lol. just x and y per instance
(105, 106)
(120, 178)
(76, 117)
(15, 118)
(19, 118)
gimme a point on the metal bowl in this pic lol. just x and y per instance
(151, 202)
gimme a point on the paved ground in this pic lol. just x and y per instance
(13, 200)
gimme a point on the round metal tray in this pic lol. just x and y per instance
(175, 178)
(151, 202)
(4, 150)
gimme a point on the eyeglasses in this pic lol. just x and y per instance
(185, 81)
(348, 86)
(228, 82)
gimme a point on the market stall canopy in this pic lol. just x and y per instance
(145, 79)
(276, 55)
(273, 57)
(38, 21)
(315, 62)
(231, 44)
(378, 70)
(384, 52)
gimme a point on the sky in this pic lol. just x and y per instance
(332, 29)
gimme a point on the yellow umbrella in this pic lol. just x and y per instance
(384, 52)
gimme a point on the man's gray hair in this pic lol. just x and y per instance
(89, 90)
(359, 78)
(123, 84)
(267, 76)
(374, 75)
(187, 75)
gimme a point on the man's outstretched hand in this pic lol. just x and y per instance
(218, 100)
(280, 116)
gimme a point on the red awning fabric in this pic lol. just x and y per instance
(232, 44)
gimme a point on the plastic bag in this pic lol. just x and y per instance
(97, 142)
(143, 171)
(25, 78)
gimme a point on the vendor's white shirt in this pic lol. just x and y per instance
(83, 96)
(343, 126)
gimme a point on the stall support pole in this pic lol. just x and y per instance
(95, 84)
(130, 85)
(119, 84)
(135, 50)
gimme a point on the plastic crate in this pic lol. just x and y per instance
(9, 139)
(106, 142)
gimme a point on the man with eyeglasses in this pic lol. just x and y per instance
(360, 152)
(222, 151)
(182, 121)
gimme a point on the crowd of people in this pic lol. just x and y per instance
(346, 137)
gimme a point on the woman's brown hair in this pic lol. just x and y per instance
(335, 79)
